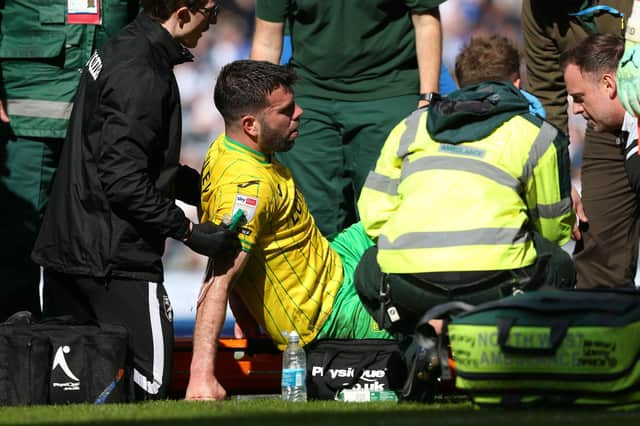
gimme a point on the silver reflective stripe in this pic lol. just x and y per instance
(428, 240)
(409, 135)
(382, 183)
(540, 145)
(462, 164)
(551, 211)
(40, 109)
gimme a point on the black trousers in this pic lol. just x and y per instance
(142, 307)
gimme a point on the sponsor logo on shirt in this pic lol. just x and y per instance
(247, 204)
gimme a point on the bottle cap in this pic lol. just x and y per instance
(293, 337)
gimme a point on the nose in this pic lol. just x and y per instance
(577, 108)
(298, 112)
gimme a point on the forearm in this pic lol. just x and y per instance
(267, 41)
(428, 48)
(210, 317)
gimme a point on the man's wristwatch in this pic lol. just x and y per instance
(428, 96)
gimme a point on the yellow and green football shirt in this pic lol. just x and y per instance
(292, 276)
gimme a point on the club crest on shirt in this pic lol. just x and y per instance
(246, 204)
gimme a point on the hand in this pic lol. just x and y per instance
(628, 78)
(214, 241)
(204, 389)
(578, 209)
(3, 113)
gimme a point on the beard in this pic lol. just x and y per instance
(276, 141)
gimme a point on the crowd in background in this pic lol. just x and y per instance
(230, 39)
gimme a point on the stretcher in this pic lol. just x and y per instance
(242, 366)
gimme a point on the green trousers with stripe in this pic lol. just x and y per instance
(27, 166)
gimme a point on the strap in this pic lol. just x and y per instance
(558, 331)
(439, 311)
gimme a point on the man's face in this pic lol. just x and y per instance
(199, 22)
(279, 122)
(595, 100)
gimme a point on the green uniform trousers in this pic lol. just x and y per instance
(27, 166)
(339, 143)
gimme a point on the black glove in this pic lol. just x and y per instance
(212, 240)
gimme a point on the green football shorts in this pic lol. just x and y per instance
(349, 319)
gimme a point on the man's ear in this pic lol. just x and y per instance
(250, 125)
(183, 14)
(610, 85)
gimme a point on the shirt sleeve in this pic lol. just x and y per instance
(422, 5)
(247, 192)
(272, 10)
(379, 198)
(548, 191)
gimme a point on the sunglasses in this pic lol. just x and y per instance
(210, 12)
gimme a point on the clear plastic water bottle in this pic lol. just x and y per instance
(294, 370)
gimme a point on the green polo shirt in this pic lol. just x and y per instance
(350, 49)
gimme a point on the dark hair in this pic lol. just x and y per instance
(596, 54)
(243, 86)
(161, 10)
(492, 58)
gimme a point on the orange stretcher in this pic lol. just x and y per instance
(242, 366)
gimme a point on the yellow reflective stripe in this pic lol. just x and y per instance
(461, 164)
(482, 236)
(39, 109)
(410, 133)
(540, 145)
(382, 183)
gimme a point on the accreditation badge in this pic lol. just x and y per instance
(84, 12)
(247, 204)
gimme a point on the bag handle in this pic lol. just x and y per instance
(558, 331)
(438, 311)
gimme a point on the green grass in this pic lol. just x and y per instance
(273, 412)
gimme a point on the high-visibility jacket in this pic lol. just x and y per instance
(42, 56)
(461, 186)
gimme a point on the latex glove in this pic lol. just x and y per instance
(628, 78)
(535, 106)
(212, 240)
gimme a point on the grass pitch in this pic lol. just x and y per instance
(273, 412)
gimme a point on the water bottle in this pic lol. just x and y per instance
(294, 370)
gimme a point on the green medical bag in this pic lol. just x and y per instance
(578, 347)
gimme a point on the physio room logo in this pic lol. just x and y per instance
(71, 383)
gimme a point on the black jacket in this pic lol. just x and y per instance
(112, 202)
